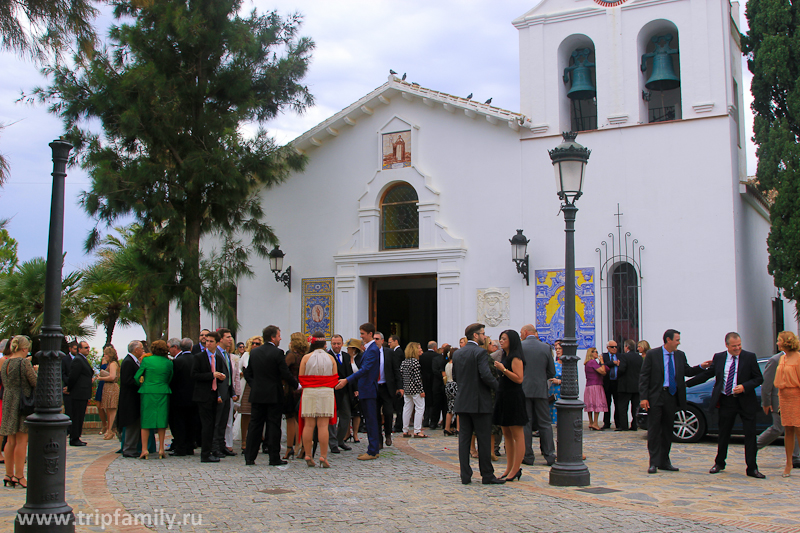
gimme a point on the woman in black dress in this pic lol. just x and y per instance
(509, 409)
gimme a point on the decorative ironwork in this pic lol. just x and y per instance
(620, 286)
(662, 114)
(400, 218)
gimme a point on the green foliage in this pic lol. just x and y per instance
(8, 250)
(772, 47)
(38, 28)
(172, 94)
(22, 302)
(107, 300)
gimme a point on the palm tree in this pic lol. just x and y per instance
(107, 300)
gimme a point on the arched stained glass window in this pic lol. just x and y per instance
(399, 218)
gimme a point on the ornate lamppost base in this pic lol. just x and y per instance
(569, 469)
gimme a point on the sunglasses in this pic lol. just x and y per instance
(256, 344)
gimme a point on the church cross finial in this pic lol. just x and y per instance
(618, 215)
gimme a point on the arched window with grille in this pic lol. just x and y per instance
(624, 303)
(399, 218)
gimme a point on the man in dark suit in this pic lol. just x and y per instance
(337, 433)
(79, 387)
(474, 404)
(426, 372)
(182, 410)
(387, 389)
(438, 399)
(662, 390)
(128, 411)
(611, 384)
(66, 363)
(737, 376)
(208, 380)
(630, 365)
(226, 393)
(366, 382)
(264, 372)
(201, 345)
(539, 368)
(398, 356)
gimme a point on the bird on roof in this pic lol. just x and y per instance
(392, 72)
(404, 77)
(469, 97)
(489, 101)
(415, 84)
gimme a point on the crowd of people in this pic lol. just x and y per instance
(487, 392)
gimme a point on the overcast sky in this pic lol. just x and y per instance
(458, 47)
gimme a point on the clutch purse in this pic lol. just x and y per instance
(103, 373)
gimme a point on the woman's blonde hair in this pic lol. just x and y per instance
(111, 354)
(20, 342)
(249, 344)
(789, 340)
(589, 351)
(645, 344)
(412, 350)
(298, 343)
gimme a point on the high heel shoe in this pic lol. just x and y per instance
(310, 461)
(108, 436)
(9, 480)
(449, 433)
(144, 455)
(324, 463)
(19, 482)
(162, 455)
(289, 452)
(515, 476)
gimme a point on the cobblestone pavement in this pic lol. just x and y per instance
(414, 486)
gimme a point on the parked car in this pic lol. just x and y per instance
(700, 418)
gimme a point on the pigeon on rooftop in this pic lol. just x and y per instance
(392, 72)
(469, 97)
(404, 77)
(489, 101)
(415, 84)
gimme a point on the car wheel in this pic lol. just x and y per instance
(690, 425)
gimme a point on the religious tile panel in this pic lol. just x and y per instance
(318, 306)
(550, 306)
(493, 306)
(397, 150)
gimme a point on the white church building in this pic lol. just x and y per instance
(430, 187)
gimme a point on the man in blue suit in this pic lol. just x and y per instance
(366, 380)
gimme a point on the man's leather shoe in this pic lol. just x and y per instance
(130, 456)
(218, 455)
(621, 429)
(467, 482)
(177, 454)
(606, 426)
(715, 469)
(77, 443)
(335, 450)
(550, 460)
(278, 462)
(652, 469)
(528, 462)
(669, 468)
(209, 459)
(388, 440)
(795, 464)
(229, 453)
(366, 457)
(756, 474)
(345, 447)
(250, 463)
(494, 481)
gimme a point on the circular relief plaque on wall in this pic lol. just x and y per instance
(610, 3)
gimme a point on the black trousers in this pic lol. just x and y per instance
(481, 424)
(208, 416)
(611, 394)
(729, 407)
(67, 409)
(426, 413)
(399, 402)
(386, 408)
(261, 414)
(438, 404)
(220, 424)
(78, 414)
(660, 421)
(625, 399)
(181, 424)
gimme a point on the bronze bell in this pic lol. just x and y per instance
(582, 88)
(663, 77)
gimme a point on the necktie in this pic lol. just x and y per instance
(673, 387)
(339, 357)
(729, 381)
(380, 377)
(213, 363)
(228, 365)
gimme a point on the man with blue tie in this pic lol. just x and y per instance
(366, 381)
(226, 394)
(662, 390)
(610, 384)
(737, 376)
(337, 433)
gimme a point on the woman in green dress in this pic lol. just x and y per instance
(154, 374)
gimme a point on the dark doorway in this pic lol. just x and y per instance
(406, 307)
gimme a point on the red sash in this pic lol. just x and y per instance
(313, 382)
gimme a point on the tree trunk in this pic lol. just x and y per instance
(190, 302)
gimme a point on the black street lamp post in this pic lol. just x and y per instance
(45, 506)
(569, 161)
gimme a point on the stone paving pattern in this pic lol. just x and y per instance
(414, 486)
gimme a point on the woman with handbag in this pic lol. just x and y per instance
(19, 381)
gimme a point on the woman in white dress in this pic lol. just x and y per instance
(318, 376)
